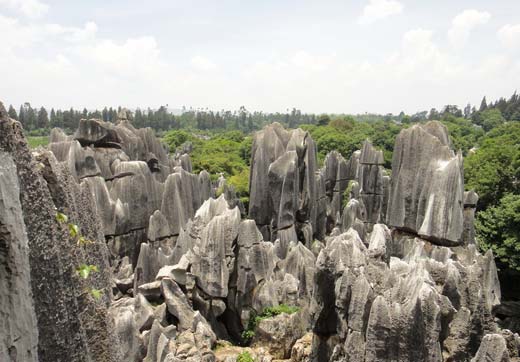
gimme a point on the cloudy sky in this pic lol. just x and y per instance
(320, 56)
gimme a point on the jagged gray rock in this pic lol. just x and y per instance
(282, 180)
(65, 334)
(492, 349)
(19, 335)
(280, 333)
(94, 132)
(212, 262)
(427, 186)
(470, 206)
(187, 268)
(402, 309)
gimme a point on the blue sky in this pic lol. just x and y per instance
(327, 56)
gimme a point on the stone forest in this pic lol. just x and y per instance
(113, 249)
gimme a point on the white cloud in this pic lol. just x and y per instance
(73, 34)
(464, 23)
(30, 8)
(509, 35)
(417, 73)
(16, 36)
(379, 9)
(134, 58)
(202, 63)
(311, 62)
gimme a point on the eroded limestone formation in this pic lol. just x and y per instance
(282, 183)
(427, 186)
(381, 269)
(71, 324)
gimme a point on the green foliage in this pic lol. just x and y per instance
(346, 194)
(279, 309)
(36, 141)
(346, 135)
(176, 138)
(73, 230)
(249, 333)
(494, 169)
(96, 293)
(82, 241)
(61, 218)
(219, 152)
(240, 181)
(245, 356)
(498, 228)
(491, 118)
(463, 133)
(85, 270)
(323, 120)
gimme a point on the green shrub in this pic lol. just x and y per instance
(346, 194)
(282, 308)
(249, 333)
(245, 357)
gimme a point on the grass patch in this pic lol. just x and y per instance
(35, 141)
(245, 357)
(249, 333)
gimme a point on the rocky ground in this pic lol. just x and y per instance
(112, 249)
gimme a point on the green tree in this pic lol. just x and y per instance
(42, 118)
(323, 120)
(176, 138)
(498, 228)
(12, 112)
(494, 169)
(483, 105)
(491, 118)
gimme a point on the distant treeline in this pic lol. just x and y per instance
(40, 120)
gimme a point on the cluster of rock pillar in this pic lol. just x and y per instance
(382, 268)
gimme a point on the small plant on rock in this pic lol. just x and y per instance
(249, 333)
(84, 270)
(245, 357)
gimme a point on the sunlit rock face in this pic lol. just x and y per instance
(282, 181)
(141, 193)
(427, 187)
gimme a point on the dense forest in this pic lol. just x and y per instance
(488, 136)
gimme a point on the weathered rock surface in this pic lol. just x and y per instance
(72, 326)
(282, 181)
(427, 186)
(426, 300)
(395, 274)
(19, 332)
(279, 334)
